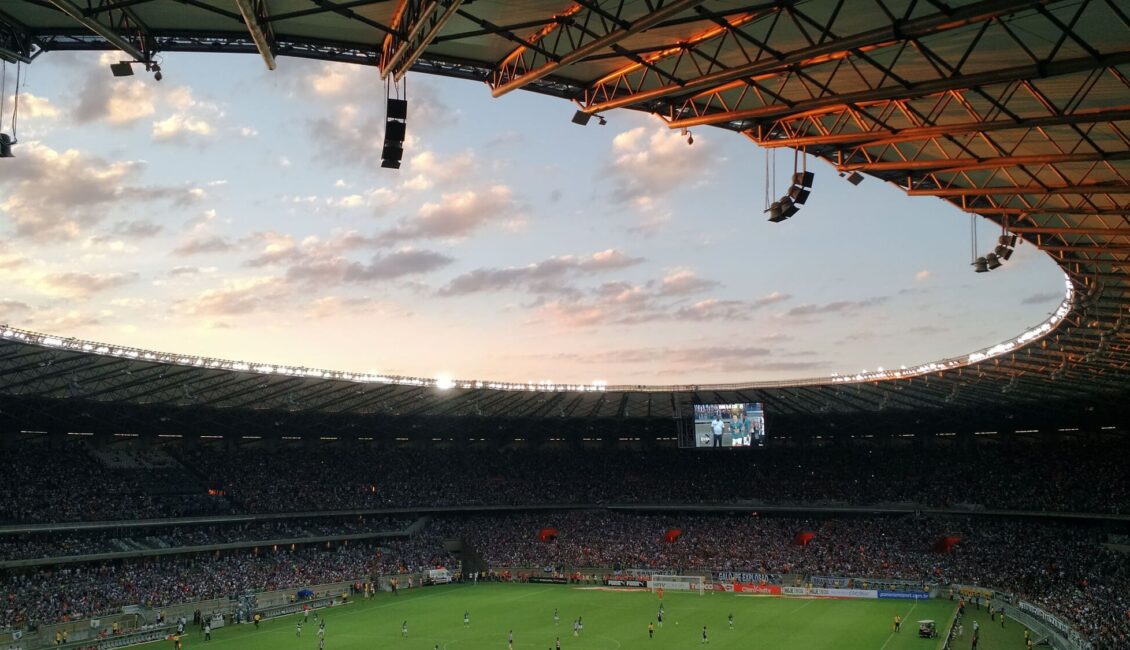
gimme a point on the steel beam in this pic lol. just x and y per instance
(895, 136)
(524, 65)
(1046, 210)
(256, 17)
(832, 50)
(966, 164)
(1040, 70)
(112, 37)
(1068, 230)
(1095, 188)
(421, 22)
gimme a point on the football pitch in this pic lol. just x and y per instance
(613, 620)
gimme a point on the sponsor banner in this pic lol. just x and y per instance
(673, 585)
(719, 586)
(618, 582)
(844, 593)
(905, 595)
(768, 590)
(969, 592)
(747, 577)
(553, 580)
(794, 591)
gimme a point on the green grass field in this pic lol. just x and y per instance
(612, 621)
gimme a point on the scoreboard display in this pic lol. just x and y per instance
(729, 425)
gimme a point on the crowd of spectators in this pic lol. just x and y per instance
(67, 483)
(1063, 568)
(80, 591)
(124, 540)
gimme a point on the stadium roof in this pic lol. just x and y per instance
(1015, 110)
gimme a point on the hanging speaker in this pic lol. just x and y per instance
(804, 179)
(394, 131)
(397, 109)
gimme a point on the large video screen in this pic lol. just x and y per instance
(729, 425)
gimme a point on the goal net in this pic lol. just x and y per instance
(677, 583)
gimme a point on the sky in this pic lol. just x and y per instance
(234, 212)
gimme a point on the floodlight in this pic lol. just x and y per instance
(798, 194)
(121, 69)
(581, 117)
(397, 109)
(804, 179)
(6, 146)
(980, 265)
(855, 178)
(993, 261)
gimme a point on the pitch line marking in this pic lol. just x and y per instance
(905, 618)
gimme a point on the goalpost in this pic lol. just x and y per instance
(677, 583)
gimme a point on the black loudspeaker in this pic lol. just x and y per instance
(6, 146)
(798, 194)
(397, 109)
(394, 131)
(804, 179)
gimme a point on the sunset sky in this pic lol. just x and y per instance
(234, 212)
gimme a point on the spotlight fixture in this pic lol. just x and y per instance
(855, 178)
(121, 69)
(6, 143)
(583, 118)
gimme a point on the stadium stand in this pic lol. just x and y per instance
(66, 483)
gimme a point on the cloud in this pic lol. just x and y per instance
(1042, 298)
(623, 303)
(771, 298)
(192, 119)
(118, 102)
(457, 215)
(235, 297)
(179, 128)
(182, 271)
(837, 307)
(32, 107)
(685, 282)
(922, 275)
(381, 267)
(431, 170)
(203, 245)
(540, 277)
(647, 163)
(54, 195)
(74, 284)
(137, 229)
(9, 307)
(330, 306)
